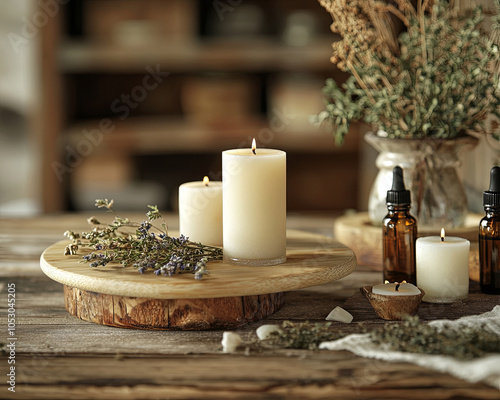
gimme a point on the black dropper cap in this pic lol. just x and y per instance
(491, 197)
(398, 194)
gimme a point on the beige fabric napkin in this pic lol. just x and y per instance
(484, 369)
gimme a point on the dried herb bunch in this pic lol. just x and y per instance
(410, 335)
(142, 249)
(415, 72)
(303, 335)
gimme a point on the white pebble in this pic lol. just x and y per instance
(339, 314)
(230, 341)
(264, 331)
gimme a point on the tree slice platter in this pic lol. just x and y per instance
(365, 239)
(230, 296)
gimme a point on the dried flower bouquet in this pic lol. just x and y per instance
(415, 71)
(163, 254)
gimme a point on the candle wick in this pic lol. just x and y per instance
(397, 286)
(442, 238)
(254, 152)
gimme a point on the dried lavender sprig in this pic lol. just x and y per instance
(164, 254)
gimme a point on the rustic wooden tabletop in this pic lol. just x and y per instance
(58, 356)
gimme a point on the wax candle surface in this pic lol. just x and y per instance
(200, 212)
(389, 289)
(442, 268)
(254, 206)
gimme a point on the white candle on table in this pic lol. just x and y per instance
(396, 289)
(200, 211)
(254, 206)
(442, 265)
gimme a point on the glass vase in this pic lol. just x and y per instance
(431, 174)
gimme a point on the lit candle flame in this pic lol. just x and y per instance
(442, 234)
(254, 146)
(386, 281)
(206, 180)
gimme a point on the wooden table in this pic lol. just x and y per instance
(58, 356)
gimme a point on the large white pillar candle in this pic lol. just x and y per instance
(254, 206)
(442, 265)
(200, 212)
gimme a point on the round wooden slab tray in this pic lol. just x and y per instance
(229, 297)
(365, 239)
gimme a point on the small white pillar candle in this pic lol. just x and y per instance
(254, 206)
(200, 211)
(396, 289)
(442, 265)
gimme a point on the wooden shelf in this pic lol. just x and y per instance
(219, 89)
(153, 135)
(220, 55)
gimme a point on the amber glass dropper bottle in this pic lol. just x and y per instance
(399, 233)
(489, 237)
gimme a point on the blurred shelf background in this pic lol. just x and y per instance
(141, 96)
(127, 99)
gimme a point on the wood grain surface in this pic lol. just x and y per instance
(311, 260)
(170, 314)
(59, 356)
(357, 232)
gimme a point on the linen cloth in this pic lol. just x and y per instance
(484, 369)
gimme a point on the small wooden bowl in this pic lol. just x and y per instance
(392, 308)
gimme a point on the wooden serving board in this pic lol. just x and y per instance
(365, 239)
(230, 296)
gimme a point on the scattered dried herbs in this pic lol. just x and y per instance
(303, 335)
(135, 244)
(411, 336)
